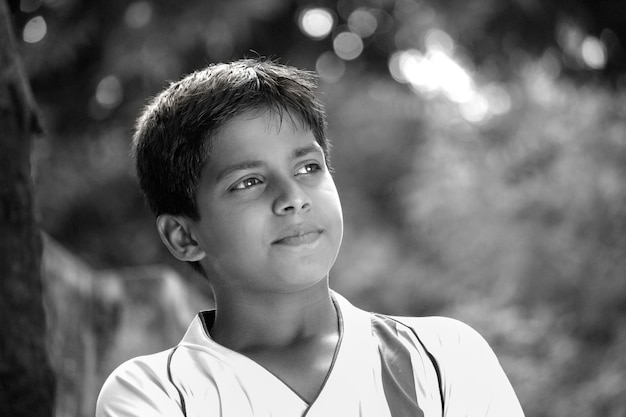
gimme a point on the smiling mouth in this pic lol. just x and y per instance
(299, 238)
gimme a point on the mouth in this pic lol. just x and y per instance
(299, 237)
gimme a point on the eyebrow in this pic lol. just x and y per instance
(296, 153)
(238, 167)
(305, 150)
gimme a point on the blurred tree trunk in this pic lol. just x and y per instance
(26, 377)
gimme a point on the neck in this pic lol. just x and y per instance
(264, 321)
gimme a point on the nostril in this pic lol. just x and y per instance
(291, 198)
(294, 207)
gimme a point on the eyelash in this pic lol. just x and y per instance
(315, 168)
(245, 184)
(250, 182)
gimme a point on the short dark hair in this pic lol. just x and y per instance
(174, 133)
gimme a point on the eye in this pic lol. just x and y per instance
(245, 184)
(309, 168)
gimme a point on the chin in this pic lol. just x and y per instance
(299, 280)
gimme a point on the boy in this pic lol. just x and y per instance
(233, 161)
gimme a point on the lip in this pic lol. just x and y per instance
(298, 235)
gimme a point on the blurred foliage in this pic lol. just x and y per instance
(479, 149)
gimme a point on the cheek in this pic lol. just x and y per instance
(237, 232)
(331, 207)
(332, 197)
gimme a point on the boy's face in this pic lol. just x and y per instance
(270, 213)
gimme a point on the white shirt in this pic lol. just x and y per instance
(383, 367)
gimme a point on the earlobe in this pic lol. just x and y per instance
(178, 238)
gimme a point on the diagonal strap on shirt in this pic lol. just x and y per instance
(397, 371)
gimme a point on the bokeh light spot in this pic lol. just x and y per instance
(35, 30)
(476, 109)
(330, 67)
(138, 14)
(316, 23)
(593, 52)
(550, 63)
(348, 45)
(438, 40)
(109, 92)
(29, 6)
(432, 72)
(362, 22)
(569, 36)
(394, 67)
(498, 98)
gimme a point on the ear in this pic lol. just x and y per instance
(176, 234)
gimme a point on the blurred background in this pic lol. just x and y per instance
(479, 150)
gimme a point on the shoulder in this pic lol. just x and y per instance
(140, 387)
(445, 334)
(473, 381)
(458, 348)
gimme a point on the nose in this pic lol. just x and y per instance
(291, 198)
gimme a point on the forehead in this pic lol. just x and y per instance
(255, 139)
(273, 119)
(254, 131)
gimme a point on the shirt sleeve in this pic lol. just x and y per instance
(140, 388)
(473, 381)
